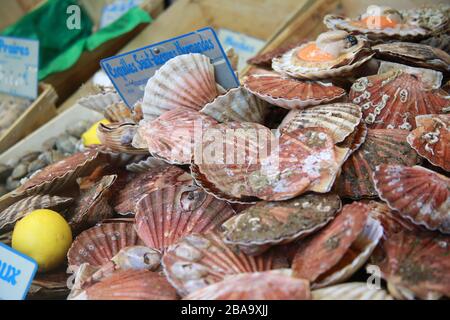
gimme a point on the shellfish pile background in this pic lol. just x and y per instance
(359, 181)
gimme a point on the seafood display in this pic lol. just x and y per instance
(296, 184)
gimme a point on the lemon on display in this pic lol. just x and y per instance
(90, 136)
(45, 236)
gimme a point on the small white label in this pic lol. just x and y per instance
(112, 12)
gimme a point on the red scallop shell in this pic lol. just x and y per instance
(431, 139)
(381, 146)
(99, 244)
(131, 285)
(393, 99)
(197, 261)
(290, 93)
(118, 137)
(418, 194)
(356, 138)
(269, 285)
(167, 214)
(172, 135)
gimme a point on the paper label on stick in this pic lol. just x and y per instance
(16, 273)
(19, 64)
(129, 72)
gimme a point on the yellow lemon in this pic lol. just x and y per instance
(90, 136)
(45, 236)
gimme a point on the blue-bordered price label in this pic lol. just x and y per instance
(129, 72)
(16, 273)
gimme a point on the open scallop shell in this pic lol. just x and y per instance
(144, 183)
(130, 285)
(393, 99)
(340, 249)
(99, 244)
(290, 93)
(431, 139)
(21, 208)
(338, 119)
(197, 261)
(418, 194)
(167, 214)
(147, 165)
(350, 291)
(342, 64)
(171, 137)
(184, 81)
(265, 224)
(381, 146)
(267, 285)
(415, 54)
(237, 104)
(415, 265)
(118, 137)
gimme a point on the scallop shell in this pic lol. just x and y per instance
(265, 224)
(184, 81)
(393, 99)
(356, 139)
(237, 104)
(350, 291)
(99, 244)
(120, 112)
(340, 249)
(381, 146)
(197, 261)
(415, 265)
(146, 165)
(118, 137)
(21, 208)
(130, 285)
(418, 194)
(265, 59)
(144, 183)
(343, 65)
(431, 139)
(267, 285)
(338, 119)
(92, 206)
(167, 214)
(61, 174)
(171, 137)
(434, 18)
(100, 101)
(415, 54)
(290, 93)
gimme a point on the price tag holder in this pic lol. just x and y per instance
(129, 72)
(19, 65)
(16, 273)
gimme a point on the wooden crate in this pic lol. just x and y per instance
(41, 110)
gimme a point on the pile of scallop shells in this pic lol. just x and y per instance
(350, 199)
(11, 108)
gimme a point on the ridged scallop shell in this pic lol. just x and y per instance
(418, 194)
(393, 99)
(431, 139)
(130, 285)
(21, 208)
(120, 112)
(290, 93)
(338, 119)
(414, 54)
(118, 137)
(99, 244)
(340, 249)
(167, 214)
(267, 285)
(100, 101)
(381, 146)
(270, 170)
(143, 183)
(341, 66)
(237, 104)
(184, 81)
(356, 139)
(350, 291)
(265, 224)
(146, 165)
(92, 206)
(415, 265)
(171, 137)
(197, 261)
